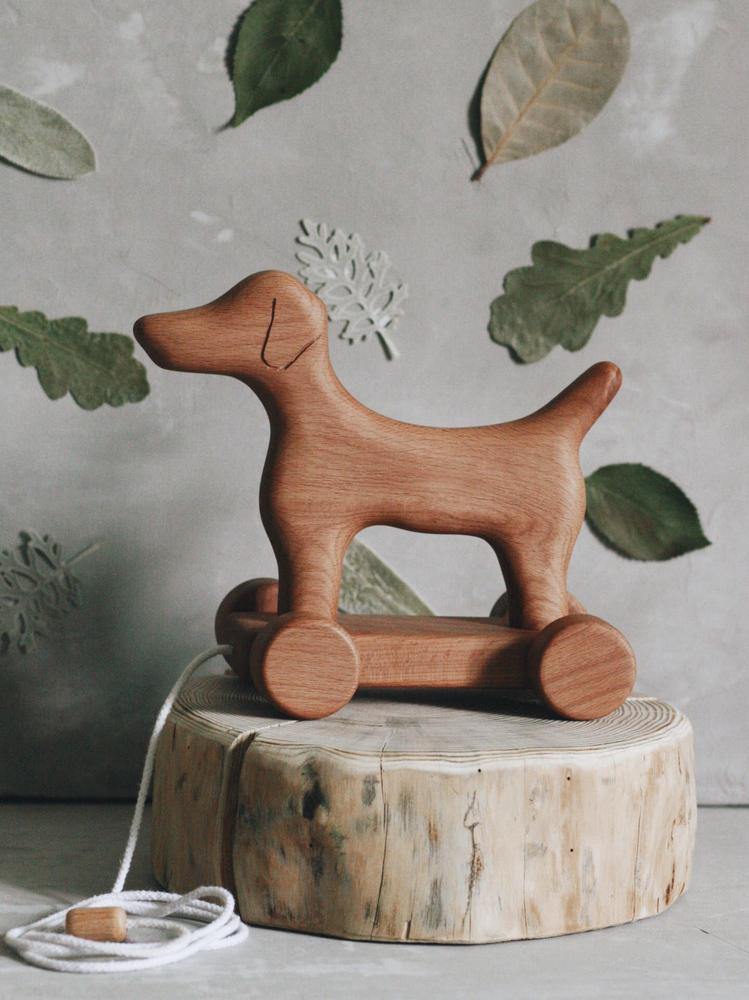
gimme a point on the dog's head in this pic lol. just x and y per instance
(264, 324)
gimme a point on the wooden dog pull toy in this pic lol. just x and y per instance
(335, 467)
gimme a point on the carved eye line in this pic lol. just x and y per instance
(281, 368)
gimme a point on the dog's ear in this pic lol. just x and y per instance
(297, 319)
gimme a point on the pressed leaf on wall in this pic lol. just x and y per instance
(370, 587)
(561, 297)
(95, 368)
(280, 48)
(360, 288)
(642, 514)
(37, 590)
(38, 138)
(552, 72)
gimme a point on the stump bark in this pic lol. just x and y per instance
(424, 820)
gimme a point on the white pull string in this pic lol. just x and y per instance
(45, 943)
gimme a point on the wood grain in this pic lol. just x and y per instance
(335, 467)
(97, 923)
(580, 666)
(440, 821)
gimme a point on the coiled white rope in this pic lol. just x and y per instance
(45, 943)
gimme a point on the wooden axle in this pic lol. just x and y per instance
(580, 666)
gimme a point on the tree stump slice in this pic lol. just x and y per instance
(461, 821)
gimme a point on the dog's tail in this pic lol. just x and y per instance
(577, 407)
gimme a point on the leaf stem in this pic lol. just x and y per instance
(87, 551)
(391, 351)
(479, 172)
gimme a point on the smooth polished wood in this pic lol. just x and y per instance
(500, 608)
(257, 595)
(452, 818)
(580, 666)
(335, 467)
(411, 651)
(97, 923)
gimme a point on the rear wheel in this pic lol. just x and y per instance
(582, 667)
(253, 596)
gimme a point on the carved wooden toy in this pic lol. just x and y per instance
(335, 467)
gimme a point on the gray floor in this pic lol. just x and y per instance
(51, 855)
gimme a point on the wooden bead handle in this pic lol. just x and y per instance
(97, 923)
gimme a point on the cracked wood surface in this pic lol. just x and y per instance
(432, 820)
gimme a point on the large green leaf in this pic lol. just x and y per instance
(552, 72)
(641, 513)
(370, 587)
(282, 47)
(95, 368)
(562, 296)
(39, 139)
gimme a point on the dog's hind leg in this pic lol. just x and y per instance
(536, 583)
(550, 503)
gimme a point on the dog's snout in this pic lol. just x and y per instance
(141, 331)
(155, 336)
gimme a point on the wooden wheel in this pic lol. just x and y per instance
(259, 594)
(308, 667)
(582, 667)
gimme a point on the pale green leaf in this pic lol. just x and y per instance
(369, 586)
(38, 138)
(552, 72)
(95, 368)
(562, 296)
(37, 590)
(642, 514)
(282, 47)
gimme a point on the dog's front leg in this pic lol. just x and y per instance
(304, 660)
(309, 570)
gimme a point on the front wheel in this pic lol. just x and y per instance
(308, 667)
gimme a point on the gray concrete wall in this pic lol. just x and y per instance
(178, 212)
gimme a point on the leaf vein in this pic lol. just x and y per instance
(556, 69)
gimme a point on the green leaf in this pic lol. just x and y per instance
(552, 72)
(282, 47)
(95, 368)
(641, 514)
(562, 296)
(37, 590)
(369, 587)
(38, 138)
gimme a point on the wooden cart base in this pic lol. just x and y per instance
(455, 821)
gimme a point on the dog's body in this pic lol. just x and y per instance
(335, 467)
